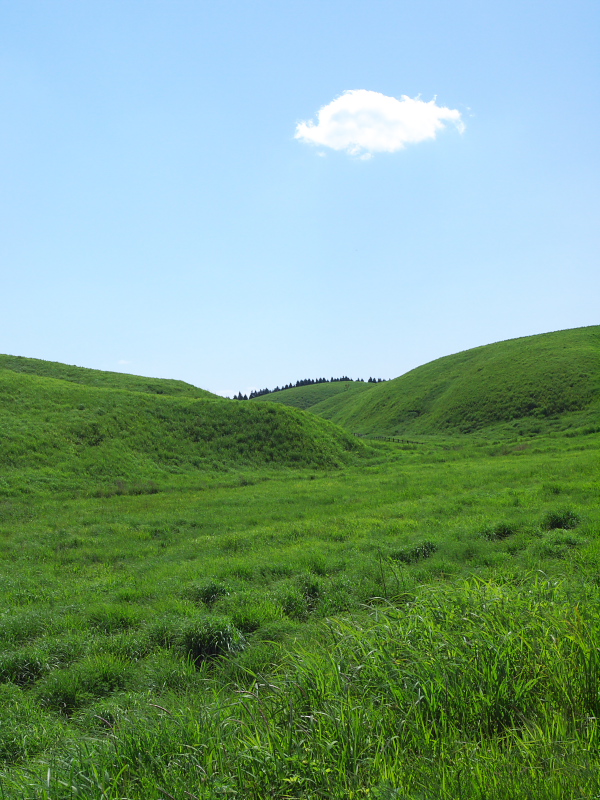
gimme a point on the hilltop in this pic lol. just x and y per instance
(525, 381)
(99, 378)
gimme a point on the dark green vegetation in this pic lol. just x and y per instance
(311, 396)
(254, 395)
(407, 622)
(520, 382)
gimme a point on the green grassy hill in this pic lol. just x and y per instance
(62, 435)
(99, 378)
(422, 623)
(524, 381)
(308, 396)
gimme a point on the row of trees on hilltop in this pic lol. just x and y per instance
(305, 382)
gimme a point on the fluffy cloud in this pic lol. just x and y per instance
(363, 122)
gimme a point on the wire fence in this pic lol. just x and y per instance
(387, 438)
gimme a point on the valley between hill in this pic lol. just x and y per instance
(530, 384)
(209, 598)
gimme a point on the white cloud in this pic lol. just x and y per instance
(364, 122)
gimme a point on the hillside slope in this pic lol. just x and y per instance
(534, 377)
(99, 378)
(62, 435)
(308, 396)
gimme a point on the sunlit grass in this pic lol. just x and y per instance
(215, 599)
(418, 627)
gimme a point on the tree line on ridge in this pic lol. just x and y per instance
(305, 382)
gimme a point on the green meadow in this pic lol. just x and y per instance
(203, 598)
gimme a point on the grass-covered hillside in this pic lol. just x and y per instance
(181, 617)
(525, 381)
(60, 434)
(99, 378)
(309, 396)
(419, 626)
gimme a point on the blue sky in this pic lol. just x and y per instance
(159, 215)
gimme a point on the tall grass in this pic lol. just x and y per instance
(468, 691)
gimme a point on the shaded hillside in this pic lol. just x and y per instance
(60, 434)
(534, 377)
(99, 378)
(307, 396)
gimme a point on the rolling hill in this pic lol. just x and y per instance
(82, 432)
(534, 379)
(308, 396)
(175, 614)
(99, 378)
